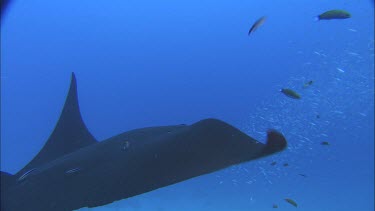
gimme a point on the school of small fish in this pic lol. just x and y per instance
(328, 15)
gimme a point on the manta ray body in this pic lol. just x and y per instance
(74, 170)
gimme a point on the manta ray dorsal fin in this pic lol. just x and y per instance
(70, 132)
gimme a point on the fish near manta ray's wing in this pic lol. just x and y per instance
(70, 132)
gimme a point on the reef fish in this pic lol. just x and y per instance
(334, 14)
(307, 84)
(290, 93)
(291, 201)
(325, 143)
(257, 24)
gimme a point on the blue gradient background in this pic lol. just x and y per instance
(149, 63)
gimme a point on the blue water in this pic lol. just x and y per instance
(150, 63)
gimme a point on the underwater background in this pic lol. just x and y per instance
(150, 63)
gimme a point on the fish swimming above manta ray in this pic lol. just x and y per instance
(74, 170)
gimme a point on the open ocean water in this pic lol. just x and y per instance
(150, 63)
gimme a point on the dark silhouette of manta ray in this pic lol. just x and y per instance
(74, 170)
(3, 6)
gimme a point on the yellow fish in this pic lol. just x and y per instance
(291, 201)
(290, 93)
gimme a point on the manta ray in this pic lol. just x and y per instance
(74, 170)
(3, 6)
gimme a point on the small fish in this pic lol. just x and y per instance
(291, 201)
(334, 14)
(275, 206)
(290, 93)
(273, 163)
(352, 30)
(318, 116)
(326, 143)
(353, 53)
(362, 114)
(307, 84)
(286, 164)
(257, 24)
(339, 69)
(303, 175)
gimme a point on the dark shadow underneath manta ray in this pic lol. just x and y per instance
(73, 170)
